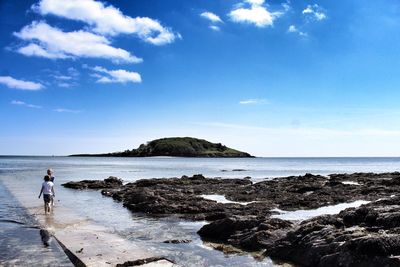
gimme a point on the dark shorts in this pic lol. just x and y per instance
(47, 198)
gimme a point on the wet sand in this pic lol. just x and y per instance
(91, 243)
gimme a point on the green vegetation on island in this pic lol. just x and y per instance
(177, 147)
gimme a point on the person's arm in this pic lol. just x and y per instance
(41, 190)
(52, 190)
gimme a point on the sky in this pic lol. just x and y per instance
(272, 78)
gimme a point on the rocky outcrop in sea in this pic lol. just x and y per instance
(363, 236)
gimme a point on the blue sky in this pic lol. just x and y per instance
(273, 78)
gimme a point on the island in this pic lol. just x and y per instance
(177, 147)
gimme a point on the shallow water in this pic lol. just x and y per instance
(20, 242)
(326, 210)
(350, 183)
(149, 232)
(222, 199)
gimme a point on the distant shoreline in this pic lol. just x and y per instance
(254, 157)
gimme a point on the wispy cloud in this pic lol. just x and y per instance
(305, 131)
(73, 72)
(253, 101)
(50, 42)
(315, 12)
(106, 19)
(211, 17)
(293, 29)
(11, 82)
(62, 77)
(65, 110)
(65, 78)
(66, 84)
(60, 110)
(257, 13)
(215, 28)
(22, 103)
(286, 6)
(116, 76)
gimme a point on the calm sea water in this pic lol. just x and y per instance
(150, 232)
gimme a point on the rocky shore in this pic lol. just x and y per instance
(362, 236)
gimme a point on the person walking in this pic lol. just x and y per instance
(50, 174)
(52, 178)
(48, 193)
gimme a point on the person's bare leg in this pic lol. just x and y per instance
(45, 208)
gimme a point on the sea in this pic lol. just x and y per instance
(21, 243)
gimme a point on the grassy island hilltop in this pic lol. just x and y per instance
(177, 147)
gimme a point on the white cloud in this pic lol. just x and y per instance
(214, 28)
(50, 42)
(211, 17)
(255, 2)
(293, 29)
(22, 103)
(308, 10)
(320, 15)
(107, 19)
(315, 12)
(36, 50)
(20, 84)
(256, 14)
(253, 101)
(116, 76)
(65, 110)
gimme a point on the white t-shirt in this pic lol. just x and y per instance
(47, 186)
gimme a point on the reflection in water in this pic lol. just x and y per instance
(21, 240)
(45, 236)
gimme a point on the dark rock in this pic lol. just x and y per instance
(177, 241)
(142, 261)
(364, 236)
(227, 249)
(110, 182)
(250, 233)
